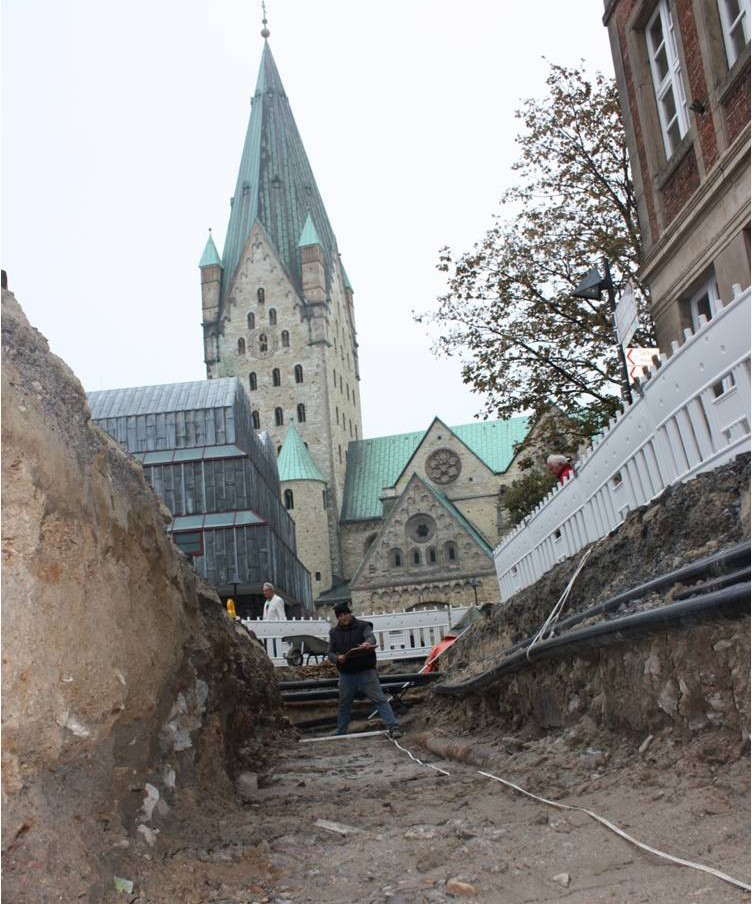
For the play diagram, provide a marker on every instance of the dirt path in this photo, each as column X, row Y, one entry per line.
column 357, row 820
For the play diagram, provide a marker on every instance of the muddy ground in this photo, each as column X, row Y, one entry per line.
column 359, row 820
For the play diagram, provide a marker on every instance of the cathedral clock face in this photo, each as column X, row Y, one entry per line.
column 443, row 466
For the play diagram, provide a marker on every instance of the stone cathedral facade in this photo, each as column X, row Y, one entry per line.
column 391, row 522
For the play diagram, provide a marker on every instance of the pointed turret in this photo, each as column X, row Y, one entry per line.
column 211, row 291
column 295, row 462
column 275, row 187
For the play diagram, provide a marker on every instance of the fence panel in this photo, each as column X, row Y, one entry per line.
column 692, row 415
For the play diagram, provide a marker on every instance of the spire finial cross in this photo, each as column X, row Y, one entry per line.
column 264, row 31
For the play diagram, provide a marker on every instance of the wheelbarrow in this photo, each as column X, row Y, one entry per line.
column 307, row 645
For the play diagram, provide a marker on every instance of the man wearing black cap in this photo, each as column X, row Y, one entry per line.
column 352, row 648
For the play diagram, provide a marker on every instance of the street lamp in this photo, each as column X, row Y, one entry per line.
column 590, row 288
column 475, row 583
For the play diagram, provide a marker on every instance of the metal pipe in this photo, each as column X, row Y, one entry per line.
column 729, row 603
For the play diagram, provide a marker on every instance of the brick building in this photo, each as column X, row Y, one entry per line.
column 683, row 71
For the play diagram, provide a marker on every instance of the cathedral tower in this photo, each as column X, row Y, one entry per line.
column 278, row 306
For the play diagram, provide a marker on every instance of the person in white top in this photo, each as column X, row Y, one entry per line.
column 274, row 608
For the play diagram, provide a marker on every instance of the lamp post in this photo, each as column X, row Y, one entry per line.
column 475, row 583
column 590, row 288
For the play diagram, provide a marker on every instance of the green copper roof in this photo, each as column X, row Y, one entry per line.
column 377, row 463
column 347, row 280
column 309, row 235
column 210, row 257
column 275, row 183
column 295, row 462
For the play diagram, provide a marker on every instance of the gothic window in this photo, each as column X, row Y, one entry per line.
column 260, row 295
column 241, row 346
column 432, row 556
column 416, row 557
column 272, row 317
column 256, row 420
column 289, row 501
column 263, row 341
column 276, row 380
column 450, row 551
column 298, row 373
column 301, row 413
column 395, row 558
column 285, row 339
column 252, row 382
column 279, row 417
column 251, row 321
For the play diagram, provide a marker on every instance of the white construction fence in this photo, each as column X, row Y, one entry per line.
column 399, row 635
column 691, row 414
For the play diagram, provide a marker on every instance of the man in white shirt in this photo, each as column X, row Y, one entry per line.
column 274, row 608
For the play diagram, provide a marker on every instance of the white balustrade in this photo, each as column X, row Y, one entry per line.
column 690, row 415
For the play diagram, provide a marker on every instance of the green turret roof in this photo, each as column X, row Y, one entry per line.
column 210, row 257
column 309, row 236
column 295, row 462
column 275, row 183
column 373, row 464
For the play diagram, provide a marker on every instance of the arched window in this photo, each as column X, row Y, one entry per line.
column 450, row 550
column 347, row 389
column 432, row 555
column 260, row 295
column 272, row 316
column 263, row 342
column 241, row 346
column 301, row 413
column 298, row 373
column 279, row 417
column 252, row 382
column 334, row 372
column 285, row 339
column 395, row 558
column 416, row 557
column 256, row 420
column 276, row 380
column 251, row 321
column 289, row 501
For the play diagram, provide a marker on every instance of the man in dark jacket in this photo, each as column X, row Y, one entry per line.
column 352, row 648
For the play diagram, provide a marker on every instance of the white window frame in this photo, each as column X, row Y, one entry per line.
column 669, row 84
column 730, row 23
column 709, row 290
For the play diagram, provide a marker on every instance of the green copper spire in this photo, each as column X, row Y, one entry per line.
column 295, row 462
column 275, row 183
column 210, row 257
column 309, row 236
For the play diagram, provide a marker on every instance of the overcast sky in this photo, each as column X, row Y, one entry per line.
column 123, row 125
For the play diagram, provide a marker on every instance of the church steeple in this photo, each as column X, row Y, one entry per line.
column 275, row 184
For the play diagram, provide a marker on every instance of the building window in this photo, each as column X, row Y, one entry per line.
column 251, row 321
column 706, row 302
column 735, row 27
column 276, row 379
column 260, row 295
column 301, row 413
column 339, row 452
column 272, row 317
column 450, row 550
column 252, row 382
column 336, row 414
column 289, row 501
column 323, row 496
column 241, row 346
column 285, row 339
column 665, row 66
column 318, row 575
column 255, row 418
column 263, row 342
column 416, row 557
column 279, row 417
column 334, row 372
column 395, row 558
column 298, row 373
column 432, row 556
column 190, row 542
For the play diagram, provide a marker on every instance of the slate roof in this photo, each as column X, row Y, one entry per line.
column 295, row 462
column 275, row 183
column 377, row 463
column 193, row 396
